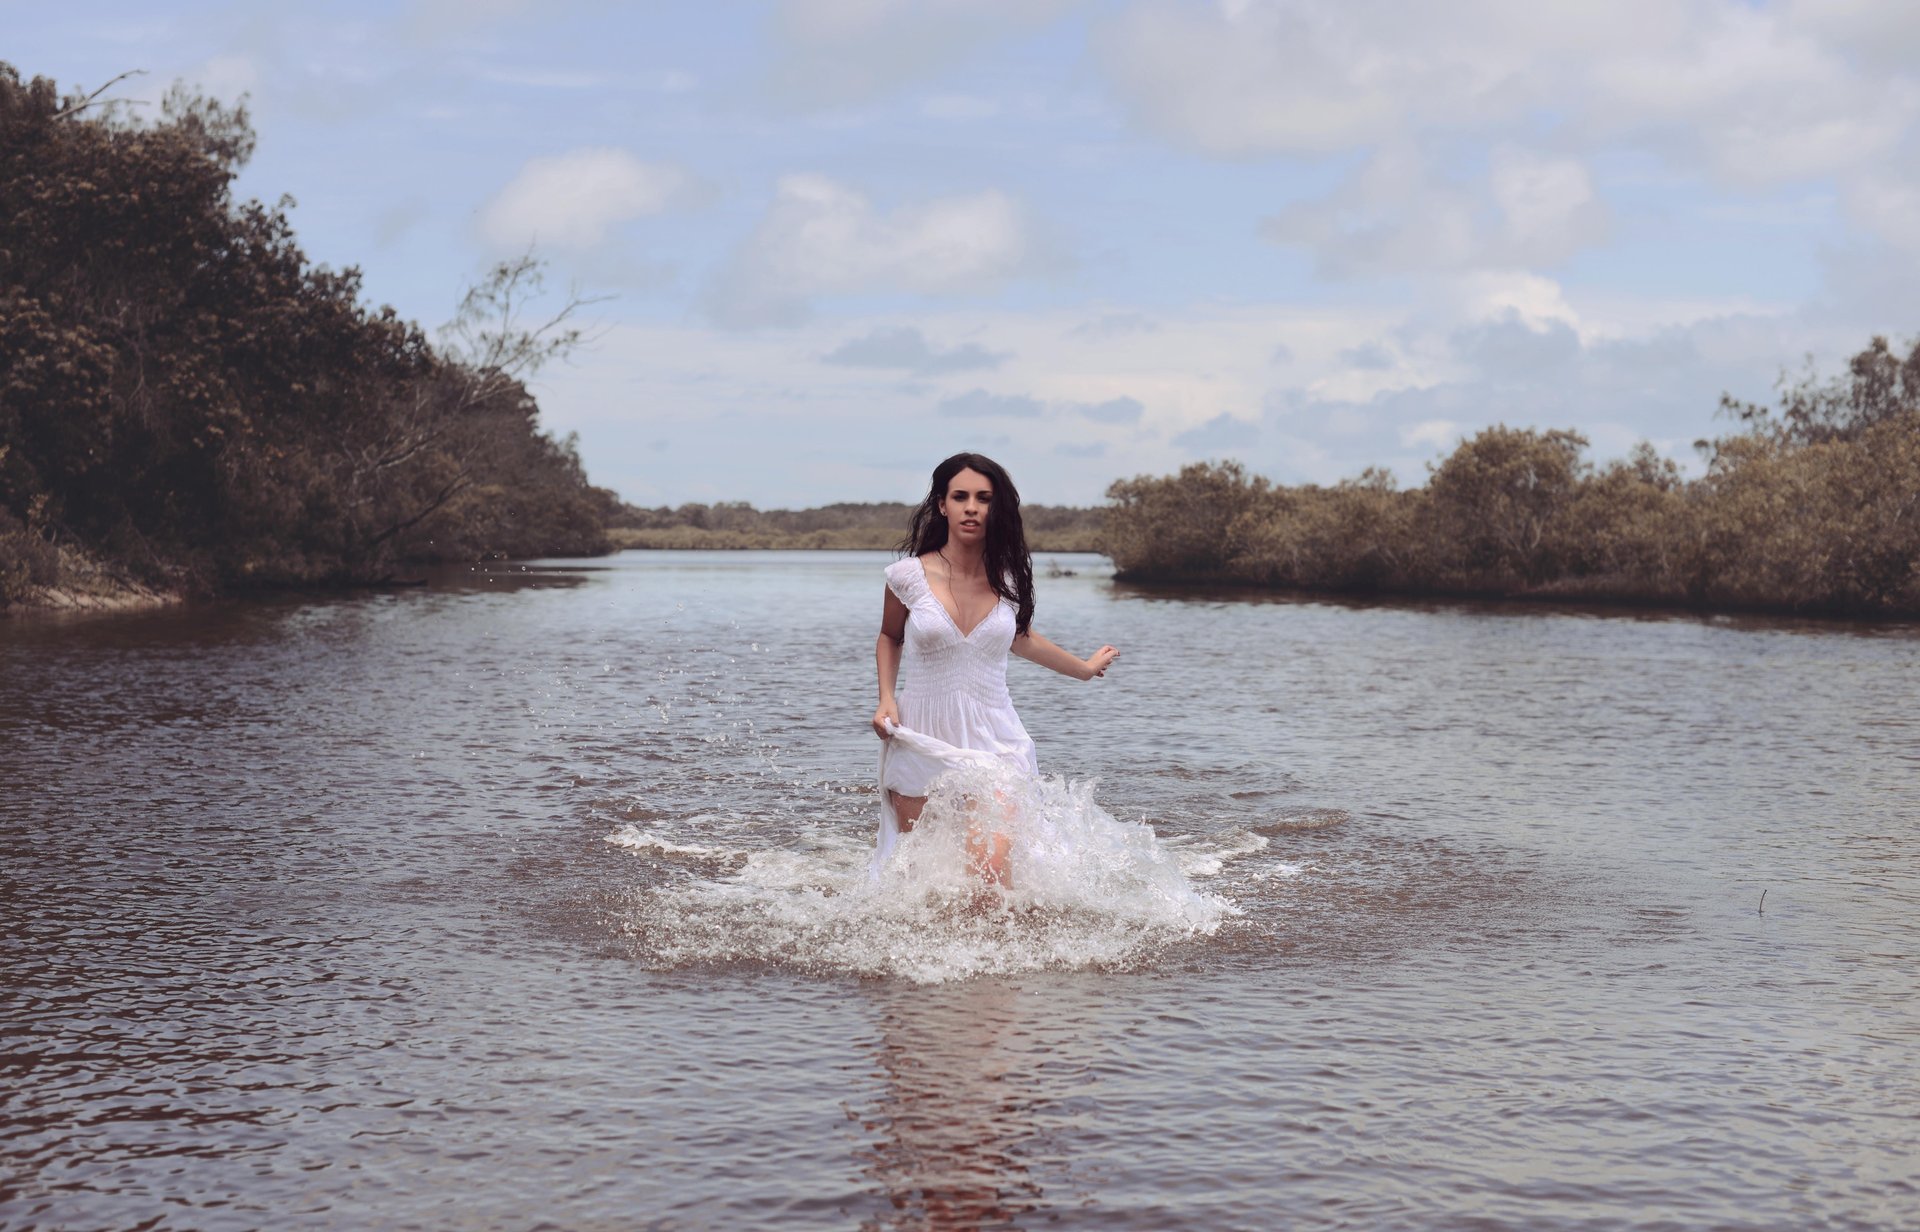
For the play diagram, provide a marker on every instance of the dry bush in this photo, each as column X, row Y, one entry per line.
column 1814, row 507
column 1362, row 534
column 1181, row 526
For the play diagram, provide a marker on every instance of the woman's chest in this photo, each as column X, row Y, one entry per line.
column 931, row 628
column 968, row 601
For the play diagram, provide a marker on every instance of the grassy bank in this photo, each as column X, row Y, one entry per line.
column 1810, row 506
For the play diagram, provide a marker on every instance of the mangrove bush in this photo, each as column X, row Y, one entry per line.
column 1810, row 505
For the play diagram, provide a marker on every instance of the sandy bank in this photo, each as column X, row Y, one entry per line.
column 83, row 584
column 126, row 597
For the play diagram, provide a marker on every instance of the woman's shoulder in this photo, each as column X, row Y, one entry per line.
column 906, row 566
column 905, row 577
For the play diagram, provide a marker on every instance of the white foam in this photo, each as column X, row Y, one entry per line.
column 1208, row 859
column 635, row 839
column 1086, row 891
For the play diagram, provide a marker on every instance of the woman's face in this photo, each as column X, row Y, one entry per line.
column 964, row 506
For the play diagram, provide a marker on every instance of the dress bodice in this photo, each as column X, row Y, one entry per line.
column 938, row 658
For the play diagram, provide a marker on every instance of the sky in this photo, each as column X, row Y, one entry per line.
column 828, row 242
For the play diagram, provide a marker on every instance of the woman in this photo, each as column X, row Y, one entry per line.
column 954, row 607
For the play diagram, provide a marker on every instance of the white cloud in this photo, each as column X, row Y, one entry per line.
column 976, row 403
column 834, row 52
column 1314, row 76
column 756, row 415
column 822, row 237
column 1875, row 32
column 1369, row 357
column 1752, row 98
column 1663, row 386
column 1536, row 301
column 1512, row 348
column 1398, row 213
column 907, row 349
column 1888, row 204
column 1436, row 434
column 1246, row 80
column 1735, row 94
column 1224, row 432
column 1113, row 411
column 1548, row 209
column 572, row 200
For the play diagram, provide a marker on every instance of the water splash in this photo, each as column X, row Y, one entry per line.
column 1086, row 891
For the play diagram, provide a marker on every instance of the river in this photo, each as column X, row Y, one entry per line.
column 525, row 899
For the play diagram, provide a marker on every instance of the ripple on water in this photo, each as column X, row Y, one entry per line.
column 543, row 904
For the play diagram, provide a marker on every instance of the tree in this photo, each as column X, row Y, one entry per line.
column 184, row 393
column 1880, row 386
column 1499, row 498
column 1182, row 524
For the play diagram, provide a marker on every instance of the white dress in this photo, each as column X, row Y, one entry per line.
column 955, row 690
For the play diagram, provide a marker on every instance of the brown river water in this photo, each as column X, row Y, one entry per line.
column 529, row 900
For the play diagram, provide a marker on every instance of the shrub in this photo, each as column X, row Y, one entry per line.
column 1812, row 507
column 1180, row 526
column 184, row 395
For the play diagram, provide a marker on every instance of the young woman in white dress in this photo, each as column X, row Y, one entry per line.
column 955, row 605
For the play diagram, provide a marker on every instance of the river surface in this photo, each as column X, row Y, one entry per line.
column 530, row 899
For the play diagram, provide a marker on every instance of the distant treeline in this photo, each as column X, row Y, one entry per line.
column 1810, row 506
column 188, row 403
column 736, row 524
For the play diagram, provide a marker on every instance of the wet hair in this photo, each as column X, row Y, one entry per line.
column 1009, row 564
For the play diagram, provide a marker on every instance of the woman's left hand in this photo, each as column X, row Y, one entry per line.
column 1100, row 661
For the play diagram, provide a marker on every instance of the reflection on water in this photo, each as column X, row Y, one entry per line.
column 954, row 1116
column 521, row 899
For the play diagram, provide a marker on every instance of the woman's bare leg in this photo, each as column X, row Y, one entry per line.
column 988, row 848
column 906, row 809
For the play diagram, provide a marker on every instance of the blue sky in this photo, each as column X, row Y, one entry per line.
column 840, row 239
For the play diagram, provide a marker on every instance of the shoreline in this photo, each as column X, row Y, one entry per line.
column 1552, row 594
column 104, row 595
column 69, row 599
column 81, row 583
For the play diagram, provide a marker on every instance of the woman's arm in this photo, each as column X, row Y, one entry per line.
column 1036, row 649
column 886, row 658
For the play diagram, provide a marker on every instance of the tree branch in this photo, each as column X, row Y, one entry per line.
column 93, row 98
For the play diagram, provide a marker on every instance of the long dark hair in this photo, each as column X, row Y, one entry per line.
column 1009, row 564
